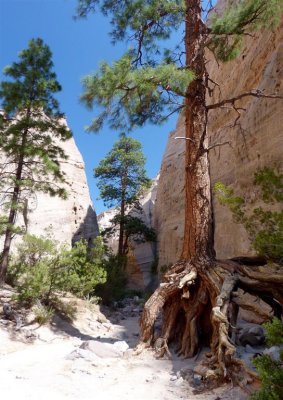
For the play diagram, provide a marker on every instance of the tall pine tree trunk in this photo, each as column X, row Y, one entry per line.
column 11, row 222
column 197, row 253
column 122, row 223
column 13, row 210
column 198, row 235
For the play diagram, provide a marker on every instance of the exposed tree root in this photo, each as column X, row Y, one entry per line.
column 199, row 302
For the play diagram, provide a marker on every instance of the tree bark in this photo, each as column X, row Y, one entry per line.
column 13, row 210
column 121, row 227
column 198, row 235
column 11, row 222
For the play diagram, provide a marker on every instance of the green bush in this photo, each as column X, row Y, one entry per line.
column 264, row 224
column 84, row 267
column 270, row 370
column 42, row 267
column 115, row 286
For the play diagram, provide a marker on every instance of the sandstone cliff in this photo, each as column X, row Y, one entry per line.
column 255, row 142
column 141, row 255
column 71, row 219
column 75, row 217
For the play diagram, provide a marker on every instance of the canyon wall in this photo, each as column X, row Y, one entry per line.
column 141, row 256
column 255, row 141
column 71, row 219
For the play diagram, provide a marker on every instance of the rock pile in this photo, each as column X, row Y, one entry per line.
column 126, row 308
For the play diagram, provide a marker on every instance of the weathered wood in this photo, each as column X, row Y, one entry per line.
column 212, row 288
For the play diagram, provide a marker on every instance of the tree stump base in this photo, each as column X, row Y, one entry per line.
column 199, row 305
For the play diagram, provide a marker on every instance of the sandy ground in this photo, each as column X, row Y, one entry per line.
column 79, row 361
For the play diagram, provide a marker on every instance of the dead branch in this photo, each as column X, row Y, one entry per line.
column 217, row 145
column 233, row 100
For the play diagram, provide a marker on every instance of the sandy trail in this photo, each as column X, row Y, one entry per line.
column 55, row 367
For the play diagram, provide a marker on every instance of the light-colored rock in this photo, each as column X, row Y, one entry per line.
column 273, row 352
column 86, row 355
column 257, row 142
column 145, row 253
column 121, row 346
column 170, row 200
column 104, row 221
column 71, row 219
column 102, row 319
column 100, row 349
column 260, row 311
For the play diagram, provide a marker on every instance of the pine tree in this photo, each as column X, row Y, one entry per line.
column 121, row 177
column 31, row 127
column 148, row 84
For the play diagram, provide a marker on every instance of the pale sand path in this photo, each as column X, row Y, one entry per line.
column 54, row 367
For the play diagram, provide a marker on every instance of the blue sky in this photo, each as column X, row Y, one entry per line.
column 77, row 47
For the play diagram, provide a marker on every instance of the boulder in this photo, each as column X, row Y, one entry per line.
column 253, row 336
column 257, row 314
column 105, row 350
column 121, row 346
column 100, row 349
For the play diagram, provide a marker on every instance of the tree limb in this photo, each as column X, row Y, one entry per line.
column 233, row 100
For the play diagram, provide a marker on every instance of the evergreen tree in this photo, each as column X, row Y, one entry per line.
column 31, row 127
column 121, row 177
column 149, row 83
column 135, row 230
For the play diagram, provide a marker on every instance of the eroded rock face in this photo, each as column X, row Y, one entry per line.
column 254, row 143
column 71, row 219
column 170, row 200
column 141, row 255
column 104, row 221
column 144, row 254
column 74, row 218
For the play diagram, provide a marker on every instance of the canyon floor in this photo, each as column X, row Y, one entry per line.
column 88, row 359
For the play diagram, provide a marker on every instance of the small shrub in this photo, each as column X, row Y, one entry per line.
column 43, row 314
column 274, row 332
column 83, row 267
column 270, row 370
column 115, row 286
column 41, row 268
